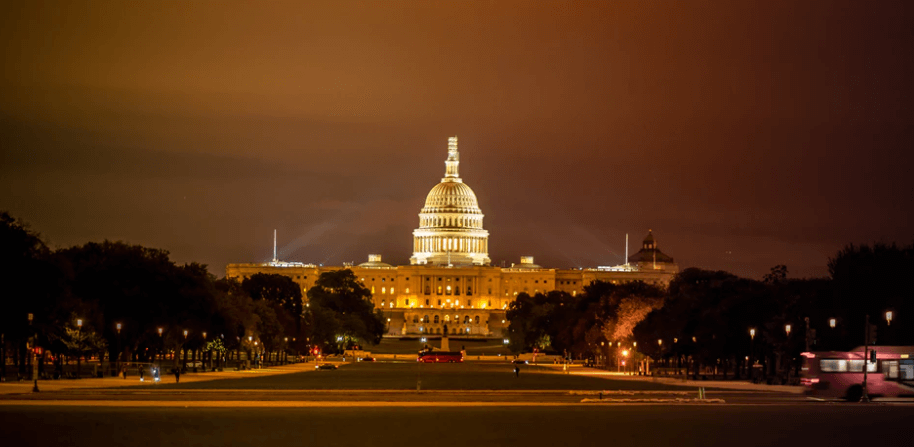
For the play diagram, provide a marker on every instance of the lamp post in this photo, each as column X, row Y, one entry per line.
column 660, row 348
column 203, row 360
column 34, row 356
column 79, row 345
column 751, row 349
column 117, row 348
column 184, row 348
column 162, row 351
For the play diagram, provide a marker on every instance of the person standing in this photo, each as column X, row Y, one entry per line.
column 177, row 375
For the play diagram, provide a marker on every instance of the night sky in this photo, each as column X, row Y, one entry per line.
column 745, row 134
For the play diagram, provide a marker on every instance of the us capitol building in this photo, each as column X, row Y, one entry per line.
column 450, row 279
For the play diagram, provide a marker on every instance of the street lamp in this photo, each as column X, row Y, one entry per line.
column 832, row 322
column 787, row 329
column 79, row 326
column 35, row 354
column 117, row 362
column 162, row 354
column 888, row 317
column 752, row 333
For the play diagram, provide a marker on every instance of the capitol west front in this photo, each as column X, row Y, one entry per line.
column 450, row 279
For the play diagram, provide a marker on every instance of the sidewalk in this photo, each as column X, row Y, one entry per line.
column 25, row 386
column 721, row 384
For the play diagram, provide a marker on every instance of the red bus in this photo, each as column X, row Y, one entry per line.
column 836, row 374
column 440, row 357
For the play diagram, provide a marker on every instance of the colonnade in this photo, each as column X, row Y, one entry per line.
column 458, row 244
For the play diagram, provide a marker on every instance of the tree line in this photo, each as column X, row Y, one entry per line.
column 713, row 320
column 130, row 303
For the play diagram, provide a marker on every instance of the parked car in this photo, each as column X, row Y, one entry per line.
column 325, row 366
column 520, row 362
column 367, row 359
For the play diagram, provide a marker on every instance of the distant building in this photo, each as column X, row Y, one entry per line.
column 450, row 279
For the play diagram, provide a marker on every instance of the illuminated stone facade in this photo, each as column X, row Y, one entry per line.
column 449, row 279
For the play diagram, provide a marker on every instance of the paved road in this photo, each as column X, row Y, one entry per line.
column 685, row 426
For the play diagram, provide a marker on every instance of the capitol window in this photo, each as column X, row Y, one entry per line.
column 406, row 302
column 469, row 291
column 477, row 319
column 436, row 318
column 415, row 318
column 425, row 319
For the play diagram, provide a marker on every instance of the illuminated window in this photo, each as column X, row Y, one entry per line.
column 439, row 290
column 383, row 289
column 391, row 304
column 448, row 290
column 372, row 289
column 391, row 290
column 383, row 303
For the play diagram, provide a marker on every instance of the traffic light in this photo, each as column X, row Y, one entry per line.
column 871, row 334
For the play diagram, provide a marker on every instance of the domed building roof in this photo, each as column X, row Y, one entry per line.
column 451, row 196
column 374, row 261
column 450, row 224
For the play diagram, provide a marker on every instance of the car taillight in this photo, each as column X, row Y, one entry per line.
column 809, row 381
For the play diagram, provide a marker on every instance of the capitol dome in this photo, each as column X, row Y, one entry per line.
column 450, row 224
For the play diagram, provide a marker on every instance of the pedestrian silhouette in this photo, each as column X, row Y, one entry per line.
column 516, row 371
column 177, row 375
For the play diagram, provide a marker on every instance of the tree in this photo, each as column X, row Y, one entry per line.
column 278, row 289
column 34, row 283
column 341, row 311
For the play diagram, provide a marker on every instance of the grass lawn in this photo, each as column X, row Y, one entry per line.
column 403, row 376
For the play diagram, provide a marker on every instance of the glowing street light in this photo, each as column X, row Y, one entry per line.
column 659, row 342
column 625, row 353
column 832, row 322
column 160, row 332
column 79, row 323
column 888, row 317
column 752, row 333
column 787, row 329
column 118, row 328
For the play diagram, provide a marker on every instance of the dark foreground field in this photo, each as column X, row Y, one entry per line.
column 680, row 426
